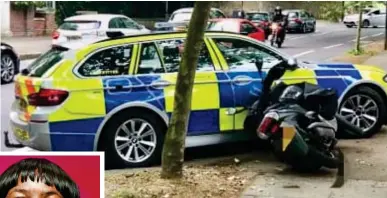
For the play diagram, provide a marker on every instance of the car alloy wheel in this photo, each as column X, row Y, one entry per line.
column 360, row 110
column 7, row 68
column 135, row 140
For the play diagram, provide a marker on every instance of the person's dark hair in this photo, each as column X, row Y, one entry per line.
column 42, row 170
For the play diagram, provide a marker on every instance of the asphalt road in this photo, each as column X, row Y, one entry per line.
column 328, row 41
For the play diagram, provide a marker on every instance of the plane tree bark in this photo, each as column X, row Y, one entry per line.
column 174, row 143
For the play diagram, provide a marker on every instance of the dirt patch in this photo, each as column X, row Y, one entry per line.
column 370, row 50
column 217, row 177
column 198, row 181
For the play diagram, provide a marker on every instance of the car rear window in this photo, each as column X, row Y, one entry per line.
column 293, row 15
column 42, row 64
column 80, row 25
column 181, row 16
column 257, row 16
column 228, row 26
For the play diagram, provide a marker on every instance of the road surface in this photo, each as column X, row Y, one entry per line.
column 328, row 41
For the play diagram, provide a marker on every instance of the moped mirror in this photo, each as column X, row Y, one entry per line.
column 292, row 63
column 259, row 63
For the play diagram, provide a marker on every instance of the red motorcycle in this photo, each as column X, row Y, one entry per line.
column 275, row 36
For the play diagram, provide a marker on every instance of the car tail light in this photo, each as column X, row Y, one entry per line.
column 297, row 21
column 268, row 125
column 47, row 97
column 55, row 35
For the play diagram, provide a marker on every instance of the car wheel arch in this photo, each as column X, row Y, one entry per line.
column 10, row 53
column 138, row 106
column 366, row 83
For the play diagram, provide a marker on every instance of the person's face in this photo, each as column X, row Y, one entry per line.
column 33, row 189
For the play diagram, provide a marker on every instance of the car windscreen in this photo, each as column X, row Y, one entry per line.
column 80, row 25
column 181, row 16
column 257, row 16
column 228, row 26
column 42, row 64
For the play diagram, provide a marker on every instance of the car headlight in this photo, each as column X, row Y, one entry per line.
column 385, row 78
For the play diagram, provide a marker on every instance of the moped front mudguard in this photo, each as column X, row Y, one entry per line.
column 291, row 143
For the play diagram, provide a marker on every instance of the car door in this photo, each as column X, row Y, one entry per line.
column 110, row 64
column 237, row 57
column 247, row 28
column 305, row 18
column 378, row 19
column 157, row 69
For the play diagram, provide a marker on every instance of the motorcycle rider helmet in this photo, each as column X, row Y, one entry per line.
column 291, row 93
column 278, row 10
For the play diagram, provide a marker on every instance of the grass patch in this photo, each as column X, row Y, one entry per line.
column 359, row 57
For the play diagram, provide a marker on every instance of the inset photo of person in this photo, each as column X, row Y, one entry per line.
column 51, row 175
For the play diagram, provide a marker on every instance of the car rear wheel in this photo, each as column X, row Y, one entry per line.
column 349, row 26
column 133, row 140
column 7, row 69
column 364, row 107
column 366, row 23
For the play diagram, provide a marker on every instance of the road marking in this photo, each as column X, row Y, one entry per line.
column 375, row 35
column 322, row 33
column 332, row 46
column 303, row 53
column 297, row 37
column 361, row 38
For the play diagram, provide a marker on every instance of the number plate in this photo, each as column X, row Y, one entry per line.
column 21, row 134
column 72, row 38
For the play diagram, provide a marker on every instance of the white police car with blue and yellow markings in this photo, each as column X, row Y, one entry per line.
column 116, row 95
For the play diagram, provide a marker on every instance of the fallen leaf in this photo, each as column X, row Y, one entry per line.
column 236, row 160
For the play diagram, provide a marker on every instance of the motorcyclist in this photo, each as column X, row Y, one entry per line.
column 281, row 19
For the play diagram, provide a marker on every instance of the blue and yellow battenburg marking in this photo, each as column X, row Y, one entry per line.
column 213, row 94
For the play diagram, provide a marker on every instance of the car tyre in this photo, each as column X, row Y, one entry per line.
column 349, row 26
column 113, row 130
column 303, row 28
column 7, row 68
column 366, row 23
column 376, row 102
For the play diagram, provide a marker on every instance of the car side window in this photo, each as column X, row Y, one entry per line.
column 114, row 23
column 112, row 61
column 240, row 55
column 219, row 14
column 376, row 12
column 128, row 24
column 149, row 60
column 172, row 51
column 248, row 28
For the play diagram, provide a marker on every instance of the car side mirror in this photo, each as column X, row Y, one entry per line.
column 259, row 63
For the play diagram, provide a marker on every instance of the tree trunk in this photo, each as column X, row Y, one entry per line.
column 342, row 10
column 360, row 24
column 174, row 143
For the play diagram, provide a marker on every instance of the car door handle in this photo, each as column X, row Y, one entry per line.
column 242, row 80
column 159, row 84
column 118, row 87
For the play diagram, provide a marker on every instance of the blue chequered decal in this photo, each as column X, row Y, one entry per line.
column 138, row 90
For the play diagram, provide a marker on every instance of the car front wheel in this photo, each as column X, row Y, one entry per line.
column 7, row 69
column 133, row 140
column 364, row 108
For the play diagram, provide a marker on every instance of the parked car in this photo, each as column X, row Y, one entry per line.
column 240, row 26
column 261, row 19
column 10, row 63
column 119, row 97
column 180, row 18
column 300, row 21
column 371, row 18
column 92, row 26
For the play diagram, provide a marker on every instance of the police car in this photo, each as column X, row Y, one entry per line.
column 116, row 95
